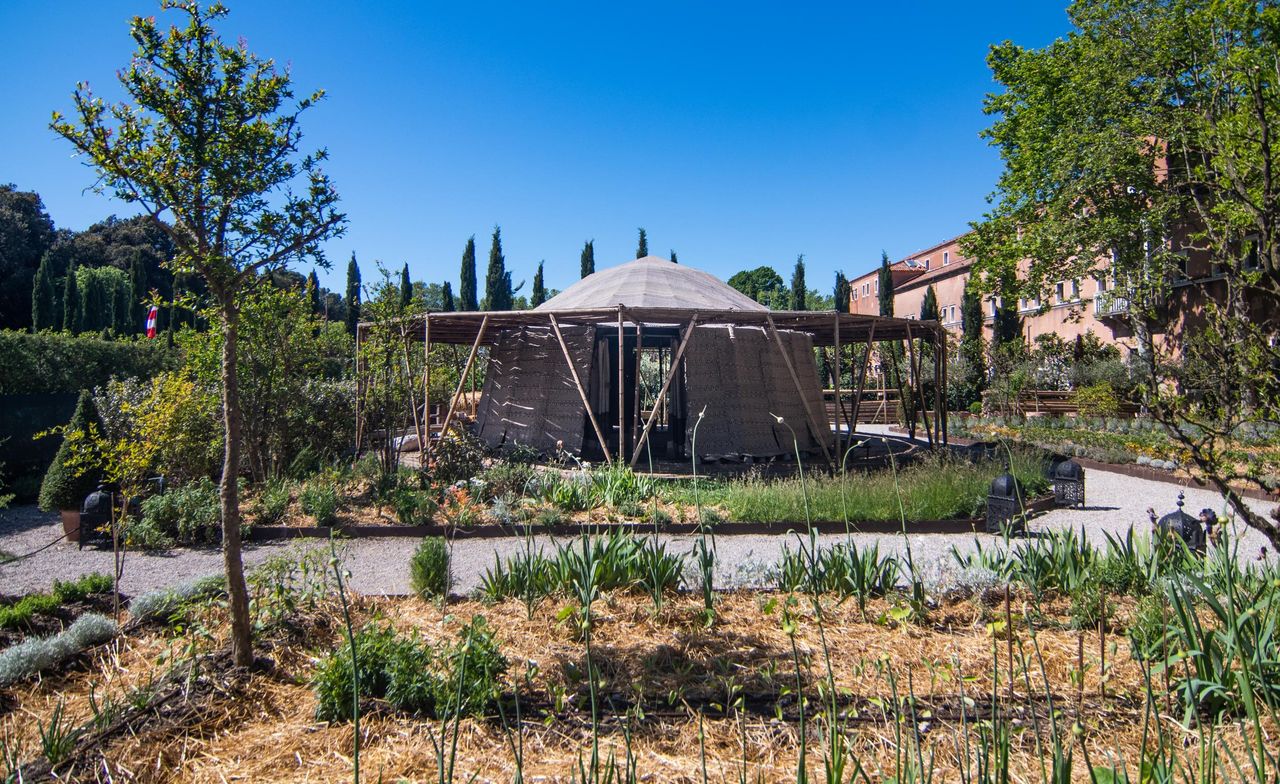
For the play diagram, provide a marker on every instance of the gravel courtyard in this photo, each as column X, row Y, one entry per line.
column 380, row 566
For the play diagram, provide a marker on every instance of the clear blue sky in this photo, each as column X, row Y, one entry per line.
column 738, row 134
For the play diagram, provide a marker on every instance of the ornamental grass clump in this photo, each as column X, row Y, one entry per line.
column 161, row 605
column 321, row 500
column 429, row 568
column 35, row 655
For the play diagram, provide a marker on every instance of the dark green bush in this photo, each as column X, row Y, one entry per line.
column 457, row 456
column 413, row 506
column 438, row 681
column 58, row 362
column 505, row 477
column 321, row 500
column 65, row 486
column 190, row 514
column 429, row 568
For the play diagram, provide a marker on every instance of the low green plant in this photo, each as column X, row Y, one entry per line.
column 38, row 654
column 321, row 500
column 456, row 457
column 429, row 568
column 165, row 604
column 507, row 478
column 273, row 502
column 189, row 514
column 413, row 506
column 57, row 737
column 19, row 614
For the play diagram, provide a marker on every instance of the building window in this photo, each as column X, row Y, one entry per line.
column 953, row 313
column 1060, row 292
column 946, row 257
column 877, row 287
column 1075, row 290
column 1251, row 252
column 995, row 307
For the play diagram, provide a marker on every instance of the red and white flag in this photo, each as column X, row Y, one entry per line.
column 152, row 315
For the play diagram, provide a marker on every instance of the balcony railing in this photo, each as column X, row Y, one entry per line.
column 1110, row 304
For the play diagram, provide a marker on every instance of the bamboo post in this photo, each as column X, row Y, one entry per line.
column 939, row 352
column 622, row 397
column 635, row 409
column 795, row 379
column 666, row 384
column 462, row 379
column 862, row 380
column 582, row 392
column 839, row 402
column 946, row 439
column 359, row 389
column 424, row 449
column 917, row 390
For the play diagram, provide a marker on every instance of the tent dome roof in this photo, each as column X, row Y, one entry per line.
column 651, row 282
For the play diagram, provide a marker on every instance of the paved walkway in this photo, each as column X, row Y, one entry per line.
column 380, row 566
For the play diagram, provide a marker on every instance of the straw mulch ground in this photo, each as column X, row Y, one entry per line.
column 723, row 696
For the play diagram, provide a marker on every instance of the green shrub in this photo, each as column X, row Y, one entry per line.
column 439, row 681
column 190, row 514
column 19, row 613
column 457, row 456
column 413, row 506
column 1097, row 400
column 65, row 485
column 975, row 408
column 320, row 499
column 506, row 477
column 51, row 362
column 429, row 568
column 273, row 502
column 1147, row 628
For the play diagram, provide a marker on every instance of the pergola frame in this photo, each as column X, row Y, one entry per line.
column 478, row 329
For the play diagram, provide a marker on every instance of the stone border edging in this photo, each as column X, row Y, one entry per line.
column 731, row 528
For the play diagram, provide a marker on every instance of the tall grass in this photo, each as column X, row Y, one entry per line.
column 931, row 489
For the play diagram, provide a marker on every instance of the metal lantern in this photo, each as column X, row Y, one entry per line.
column 95, row 512
column 1183, row 526
column 1068, row 484
column 1004, row 504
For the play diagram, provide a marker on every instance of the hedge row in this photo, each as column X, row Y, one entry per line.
column 59, row 362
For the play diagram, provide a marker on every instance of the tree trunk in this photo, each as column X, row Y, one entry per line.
column 229, row 492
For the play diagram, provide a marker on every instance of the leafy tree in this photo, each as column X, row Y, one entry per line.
column 642, row 248
column 841, row 293
column 353, row 295
column 467, row 282
column 674, row 260
column 44, row 313
column 886, row 286
column 539, row 293
column 139, row 294
column 1146, row 132
column 26, row 232
column 446, row 297
column 122, row 308
column 762, row 284
column 65, row 484
column 406, row 288
column 96, row 314
column 587, row 264
column 497, row 281
column 971, row 317
column 211, row 140
column 72, row 314
column 929, row 306
column 798, row 289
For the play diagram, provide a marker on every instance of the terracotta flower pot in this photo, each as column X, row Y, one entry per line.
column 71, row 524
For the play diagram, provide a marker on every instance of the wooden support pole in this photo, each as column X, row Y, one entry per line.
column 917, row 391
column 666, row 384
column 622, row 397
column 946, row 439
column 795, row 379
column 359, row 390
column 424, row 449
column 839, row 402
column 635, row 408
column 582, row 392
column 939, row 354
column 862, row 380
column 462, row 379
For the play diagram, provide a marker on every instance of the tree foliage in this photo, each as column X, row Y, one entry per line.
column 798, row 289
column 539, row 293
column 762, row 284
column 353, row 295
column 929, row 305
column 642, row 246
column 208, row 145
column 66, row 484
column 467, row 299
column 885, row 286
column 497, row 281
column 26, row 232
column 587, row 263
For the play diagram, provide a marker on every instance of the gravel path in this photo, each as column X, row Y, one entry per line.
column 380, row 566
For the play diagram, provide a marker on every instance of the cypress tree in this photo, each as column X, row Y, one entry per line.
column 313, row 293
column 138, row 280
column 886, row 286
column 353, row 294
column 674, row 260
column 406, row 288
column 72, row 315
column 467, row 280
column 971, row 314
column 588, row 262
column 841, row 293
column 929, row 307
column 497, row 281
column 446, row 297
column 642, row 249
column 797, row 284
column 122, row 308
column 44, row 313
column 972, row 344
column 539, row 293
column 96, row 307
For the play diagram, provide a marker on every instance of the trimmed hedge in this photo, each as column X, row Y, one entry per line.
column 62, row 487
column 60, row 362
